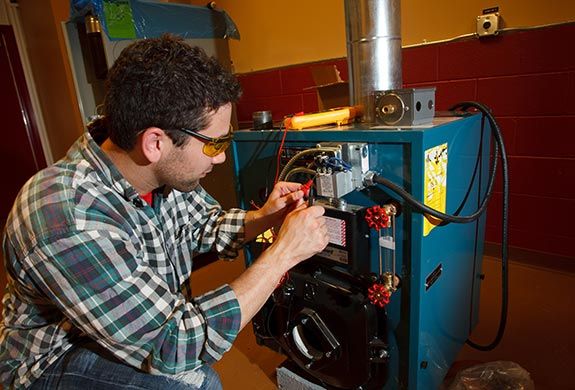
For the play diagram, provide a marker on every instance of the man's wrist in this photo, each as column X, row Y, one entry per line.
column 280, row 256
column 254, row 215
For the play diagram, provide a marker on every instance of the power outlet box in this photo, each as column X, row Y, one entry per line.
column 488, row 24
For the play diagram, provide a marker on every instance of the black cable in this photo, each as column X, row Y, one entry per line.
column 504, row 229
column 417, row 205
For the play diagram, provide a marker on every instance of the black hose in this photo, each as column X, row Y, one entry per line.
column 420, row 206
column 504, row 228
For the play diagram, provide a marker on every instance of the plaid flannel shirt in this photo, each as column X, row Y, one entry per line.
column 87, row 257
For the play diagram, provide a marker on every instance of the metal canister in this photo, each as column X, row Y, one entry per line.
column 262, row 120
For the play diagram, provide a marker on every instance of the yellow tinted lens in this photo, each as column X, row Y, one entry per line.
column 214, row 148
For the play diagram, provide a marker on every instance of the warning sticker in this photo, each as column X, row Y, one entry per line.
column 435, row 190
column 336, row 231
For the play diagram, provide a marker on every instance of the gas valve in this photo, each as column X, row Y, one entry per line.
column 378, row 294
column 377, row 217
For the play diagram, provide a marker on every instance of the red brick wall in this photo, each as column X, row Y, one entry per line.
column 528, row 80
column 282, row 90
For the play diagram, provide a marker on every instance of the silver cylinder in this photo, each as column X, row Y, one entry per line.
column 262, row 120
column 373, row 29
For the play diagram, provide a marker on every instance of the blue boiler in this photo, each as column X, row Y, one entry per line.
column 411, row 342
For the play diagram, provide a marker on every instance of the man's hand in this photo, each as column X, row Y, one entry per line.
column 303, row 234
column 285, row 197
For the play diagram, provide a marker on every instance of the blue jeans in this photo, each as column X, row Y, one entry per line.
column 88, row 367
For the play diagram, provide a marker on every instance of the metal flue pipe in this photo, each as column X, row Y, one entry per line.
column 373, row 29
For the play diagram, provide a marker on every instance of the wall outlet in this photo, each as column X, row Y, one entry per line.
column 488, row 24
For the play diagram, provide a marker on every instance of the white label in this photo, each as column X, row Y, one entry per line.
column 336, row 231
column 326, row 185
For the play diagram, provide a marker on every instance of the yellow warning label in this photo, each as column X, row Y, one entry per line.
column 435, row 190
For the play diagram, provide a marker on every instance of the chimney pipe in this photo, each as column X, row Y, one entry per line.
column 373, row 29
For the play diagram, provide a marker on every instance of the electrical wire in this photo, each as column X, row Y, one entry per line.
column 504, row 227
column 301, row 154
column 279, row 156
column 303, row 170
column 338, row 163
column 474, row 35
column 417, row 205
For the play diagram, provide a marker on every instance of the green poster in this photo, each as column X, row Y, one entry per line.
column 119, row 19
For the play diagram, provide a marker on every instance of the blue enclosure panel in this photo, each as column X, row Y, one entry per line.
column 427, row 327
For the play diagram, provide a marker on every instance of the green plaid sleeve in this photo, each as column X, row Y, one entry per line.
column 102, row 282
column 212, row 229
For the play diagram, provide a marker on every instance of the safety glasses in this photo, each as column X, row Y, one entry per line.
column 212, row 146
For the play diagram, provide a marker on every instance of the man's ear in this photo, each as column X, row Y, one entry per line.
column 153, row 143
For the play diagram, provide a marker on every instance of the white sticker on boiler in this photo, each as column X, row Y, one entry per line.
column 336, row 231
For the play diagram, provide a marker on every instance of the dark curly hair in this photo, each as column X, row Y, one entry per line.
column 166, row 83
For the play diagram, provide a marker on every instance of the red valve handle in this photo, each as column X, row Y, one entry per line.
column 378, row 295
column 377, row 218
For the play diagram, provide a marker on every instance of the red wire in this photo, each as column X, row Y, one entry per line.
column 285, row 277
column 306, row 188
column 280, row 156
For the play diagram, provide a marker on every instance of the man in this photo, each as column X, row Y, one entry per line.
column 99, row 247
